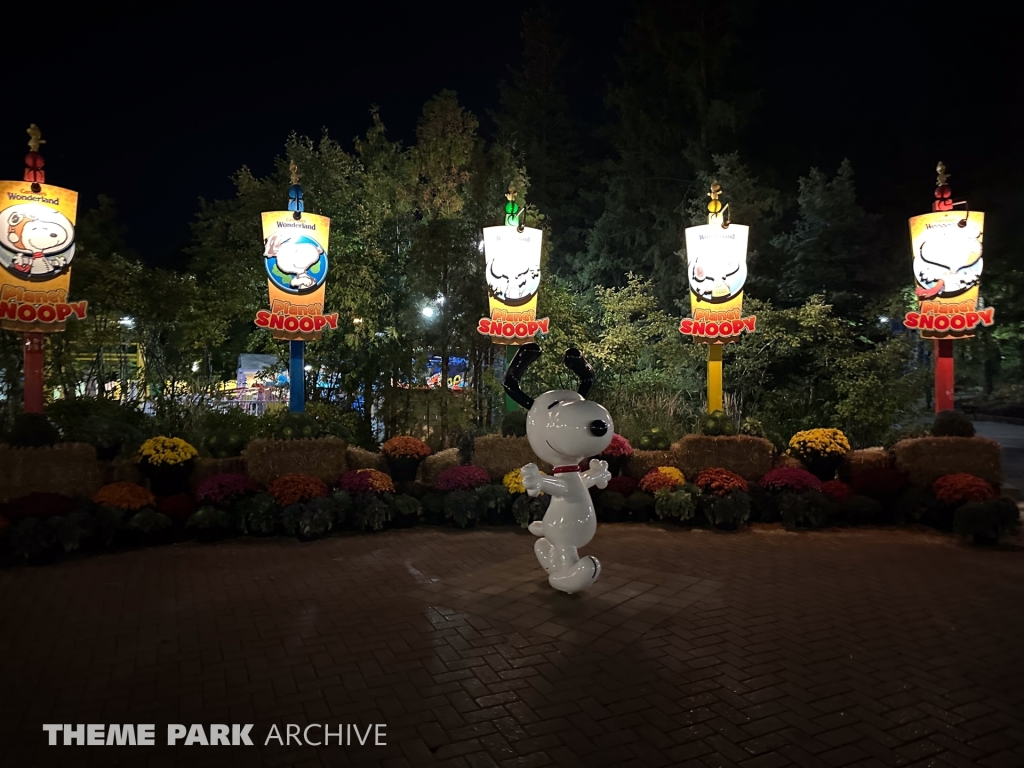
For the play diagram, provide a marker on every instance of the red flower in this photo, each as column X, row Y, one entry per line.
column 291, row 489
column 462, row 478
column 880, row 481
column 619, row 446
column 225, row 487
column 720, row 481
column 366, row 481
column 790, row 479
column 623, row 484
column 177, row 507
column 961, row 488
column 837, row 489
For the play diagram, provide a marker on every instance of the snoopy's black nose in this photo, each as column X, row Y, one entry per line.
column 598, row 428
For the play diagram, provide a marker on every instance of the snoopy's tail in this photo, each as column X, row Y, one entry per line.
column 537, row 527
column 578, row 577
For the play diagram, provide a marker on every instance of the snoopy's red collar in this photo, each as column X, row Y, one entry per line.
column 569, row 468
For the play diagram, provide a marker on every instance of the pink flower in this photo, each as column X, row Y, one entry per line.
column 619, row 446
column 225, row 487
column 790, row 479
column 462, row 478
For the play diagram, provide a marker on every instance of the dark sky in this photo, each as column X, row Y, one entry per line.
column 158, row 107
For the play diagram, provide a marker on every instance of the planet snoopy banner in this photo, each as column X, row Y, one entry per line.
column 512, row 264
column 295, row 254
column 716, row 272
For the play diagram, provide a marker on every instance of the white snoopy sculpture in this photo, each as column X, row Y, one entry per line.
column 564, row 428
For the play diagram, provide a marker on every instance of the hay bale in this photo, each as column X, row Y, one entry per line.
column 267, row 460
column 858, row 462
column 642, row 462
column 926, row 459
column 67, row 468
column 203, row 468
column 785, row 460
column 359, row 458
column 500, row 455
column 434, row 465
column 122, row 471
column 749, row 457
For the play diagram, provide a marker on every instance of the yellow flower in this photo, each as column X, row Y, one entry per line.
column 818, row 443
column 165, row 450
column 513, row 481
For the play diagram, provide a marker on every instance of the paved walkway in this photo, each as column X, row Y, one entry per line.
column 759, row 649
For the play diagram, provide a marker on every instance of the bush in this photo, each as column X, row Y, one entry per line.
column 961, row 488
column 408, row 506
column 680, row 505
column 369, row 511
column 763, row 506
column 952, row 424
column 462, row 507
column 289, row 425
column 752, row 427
column 69, row 532
column 494, row 500
column 609, row 505
column 333, row 421
column 719, row 482
column 258, row 514
column 293, row 489
column 107, row 425
column 309, row 520
column 654, row 439
column 661, row 477
column 210, row 520
column 860, row 510
column 32, row 430
column 149, row 522
column 362, row 481
column 717, row 424
column 790, row 479
column 462, row 478
column 527, row 509
column 226, row 488
column 225, row 433
column 640, row 504
column 729, row 510
column 803, row 510
column 31, row 539
column 987, row 521
column 513, row 423
column 124, row 495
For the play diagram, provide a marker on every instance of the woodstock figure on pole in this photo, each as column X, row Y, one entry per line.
column 564, row 428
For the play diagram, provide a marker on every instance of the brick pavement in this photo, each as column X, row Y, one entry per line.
column 757, row 649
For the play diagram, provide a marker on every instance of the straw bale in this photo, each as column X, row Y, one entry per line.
column 434, row 465
column 121, row 471
column 642, row 462
column 499, row 455
column 749, row 457
column 926, row 459
column 785, row 460
column 267, row 460
column 67, row 468
column 359, row 458
column 858, row 462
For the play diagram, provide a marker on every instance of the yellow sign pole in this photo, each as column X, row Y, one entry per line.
column 714, row 377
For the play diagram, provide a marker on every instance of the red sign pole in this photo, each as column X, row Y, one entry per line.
column 33, row 373
column 943, row 375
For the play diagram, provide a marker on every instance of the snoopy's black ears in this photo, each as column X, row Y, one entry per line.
column 524, row 358
column 578, row 364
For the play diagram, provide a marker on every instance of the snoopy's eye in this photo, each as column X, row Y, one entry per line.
column 554, row 404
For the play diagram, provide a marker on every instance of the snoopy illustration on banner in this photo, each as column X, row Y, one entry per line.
column 295, row 257
column 40, row 239
column 564, row 428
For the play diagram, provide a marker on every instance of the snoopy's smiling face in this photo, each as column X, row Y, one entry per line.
column 43, row 236
column 564, row 428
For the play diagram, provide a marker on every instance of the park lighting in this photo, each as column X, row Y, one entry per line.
column 308, row 368
column 428, row 311
column 127, row 322
column 716, row 255
column 946, row 249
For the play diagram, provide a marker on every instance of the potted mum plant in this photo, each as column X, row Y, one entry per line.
column 822, row 450
column 404, row 455
column 166, row 462
column 617, row 454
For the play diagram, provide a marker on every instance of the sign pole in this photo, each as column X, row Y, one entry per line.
column 943, row 375
column 297, row 377
column 714, row 377
column 510, row 352
column 33, row 393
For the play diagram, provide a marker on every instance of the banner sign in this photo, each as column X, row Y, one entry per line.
column 295, row 255
column 947, row 274
column 513, row 279
column 717, row 271
column 37, row 245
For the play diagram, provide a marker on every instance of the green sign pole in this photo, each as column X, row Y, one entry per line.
column 510, row 352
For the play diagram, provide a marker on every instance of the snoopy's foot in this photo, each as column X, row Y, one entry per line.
column 545, row 552
column 300, row 282
column 578, row 577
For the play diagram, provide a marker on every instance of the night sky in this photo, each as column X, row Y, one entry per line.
column 158, row 107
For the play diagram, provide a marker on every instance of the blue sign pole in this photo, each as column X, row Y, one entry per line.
column 297, row 377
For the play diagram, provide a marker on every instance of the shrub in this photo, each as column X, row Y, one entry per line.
column 462, row 478
column 366, row 481
column 369, row 511
column 752, row 428
column 210, row 519
column 860, row 510
column 803, row 510
column 107, row 522
column 815, row 444
column 790, row 479
column 225, row 433
column 836, row 490
column 160, row 451
column 149, row 521
column 880, row 482
column 309, row 520
column 717, row 424
column 619, row 446
column 124, row 495
column 105, row 424
column 763, row 505
column 987, row 521
column 961, row 488
column 952, row 424
column 334, row 421
column 730, row 509
column 661, row 477
column 513, row 423
column 406, row 505
column 292, row 489
column 623, row 484
column 405, row 447
column 225, row 488
column 680, row 504
column 719, row 482
column 493, row 498
column 31, row 539
column 32, row 430
column 69, row 532
column 289, row 425
column 609, row 503
column 258, row 514
column 654, row 439
column 180, row 506
column 527, row 509
column 41, row 505
column 640, row 504
column 462, row 507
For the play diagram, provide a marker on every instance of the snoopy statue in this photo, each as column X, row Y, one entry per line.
column 564, row 428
